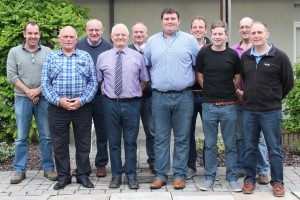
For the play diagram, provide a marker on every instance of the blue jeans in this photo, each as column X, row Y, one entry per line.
column 212, row 115
column 262, row 163
column 24, row 110
column 147, row 121
column 270, row 124
column 98, row 118
column 122, row 119
column 172, row 111
column 193, row 152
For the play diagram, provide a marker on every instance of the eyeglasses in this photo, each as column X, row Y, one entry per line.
column 32, row 58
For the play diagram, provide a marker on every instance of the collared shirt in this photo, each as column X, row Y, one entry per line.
column 26, row 66
column 171, row 61
column 134, row 72
column 237, row 47
column 258, row 57
column 70, row 77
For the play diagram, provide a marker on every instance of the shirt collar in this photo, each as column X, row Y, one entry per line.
column 24, row 48
column 125, row 50
column 74, row 52
column 91, row 44
column 252, row 52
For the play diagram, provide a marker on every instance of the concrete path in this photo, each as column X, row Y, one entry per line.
column 36, row 187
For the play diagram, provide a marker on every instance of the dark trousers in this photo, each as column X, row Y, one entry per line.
column 59, row 124
column 122, row 119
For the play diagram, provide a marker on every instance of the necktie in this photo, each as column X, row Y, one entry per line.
column 118, row 74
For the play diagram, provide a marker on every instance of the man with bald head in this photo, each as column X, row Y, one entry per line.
column 262, row 163
column 268, row 77
column 123, row 75
column 69, row 83
column 94, row 44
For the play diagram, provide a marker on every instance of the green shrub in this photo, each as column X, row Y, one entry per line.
column 292, row 104
column 6, row 151
column 220, row 144
column 51, row 16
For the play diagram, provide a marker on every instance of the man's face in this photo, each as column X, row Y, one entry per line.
column 198, row 29
column 94, row 31
column 244, row 29
column 120, row 37
column 32, row 35
column 68, row 39
column 259, row 35
column 170, row 23
column 139, row 34
column 218, row 36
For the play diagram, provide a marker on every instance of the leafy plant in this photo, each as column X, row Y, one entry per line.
column 51, row 15
column 296, row 146
column 6, row 151
column 220, row 144
column 292, row 104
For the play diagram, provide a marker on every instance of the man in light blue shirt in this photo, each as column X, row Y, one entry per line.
column 171, row 54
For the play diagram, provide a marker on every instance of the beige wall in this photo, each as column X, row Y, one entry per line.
column 277, row 14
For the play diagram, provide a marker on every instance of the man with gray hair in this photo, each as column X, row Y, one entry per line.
column 69, row 83
column 122, row 75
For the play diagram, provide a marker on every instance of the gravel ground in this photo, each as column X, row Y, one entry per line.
column 34, row 160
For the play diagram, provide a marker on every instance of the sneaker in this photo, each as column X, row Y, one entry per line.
column 240, row 174
column 51, row 175
column 263, row 179
column 206, row 185
column 278, row 189
column 234, row 187
column 17, row 177
column 190, row 174
column 248, row 188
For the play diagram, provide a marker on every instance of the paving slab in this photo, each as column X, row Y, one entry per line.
column 203, row 195
column 263, row 195
column 81, row 197
column 142, row 196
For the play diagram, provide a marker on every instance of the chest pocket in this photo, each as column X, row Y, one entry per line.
column 55, row 70
column 83, row 69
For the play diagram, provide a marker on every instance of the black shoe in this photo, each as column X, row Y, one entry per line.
column 133, row 183
column 85, row 182
column 115, row 182
column 61, row 184
column 152, row 168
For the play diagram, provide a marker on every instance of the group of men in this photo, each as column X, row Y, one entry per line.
column 167, row 82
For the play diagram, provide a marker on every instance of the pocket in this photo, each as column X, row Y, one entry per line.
column 55, row 70
column 83, row 69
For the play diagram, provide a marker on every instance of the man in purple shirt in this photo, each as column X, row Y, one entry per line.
column 122, row 82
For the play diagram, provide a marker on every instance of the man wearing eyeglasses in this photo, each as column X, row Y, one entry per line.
column 24, row 68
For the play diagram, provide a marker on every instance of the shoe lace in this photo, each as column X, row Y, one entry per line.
column 18, row 174
column 248, row 184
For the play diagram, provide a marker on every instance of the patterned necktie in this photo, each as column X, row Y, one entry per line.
column 118, row 74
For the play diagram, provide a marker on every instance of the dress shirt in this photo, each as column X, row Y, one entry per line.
column 70, row 77
column 134, row 71
column 171, row 61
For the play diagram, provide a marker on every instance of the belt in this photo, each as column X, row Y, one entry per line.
column 173, row 91
column 223, row 103
column 198, row 93
column 123, row 99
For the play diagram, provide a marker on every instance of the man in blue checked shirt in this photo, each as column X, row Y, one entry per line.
column 69, row 84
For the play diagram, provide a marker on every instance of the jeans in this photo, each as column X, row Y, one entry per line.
column 262, row 163
column 147, row 121
column 24, row 110
column 193, row 152
column 270, row 124
column 212, row 115
column 172, row 111
column 122, row 119
column 98, row 118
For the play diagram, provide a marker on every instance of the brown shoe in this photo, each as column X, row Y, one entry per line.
column 74, row 172
column 248, row 188
column 179, row 184
column 157, row 183
column 101, row 171
column 278, row 189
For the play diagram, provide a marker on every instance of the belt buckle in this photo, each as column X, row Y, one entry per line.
column 219, row 103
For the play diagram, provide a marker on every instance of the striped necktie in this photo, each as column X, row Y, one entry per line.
column 118, row 74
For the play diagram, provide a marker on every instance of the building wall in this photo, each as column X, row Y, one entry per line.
column 277, row 14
